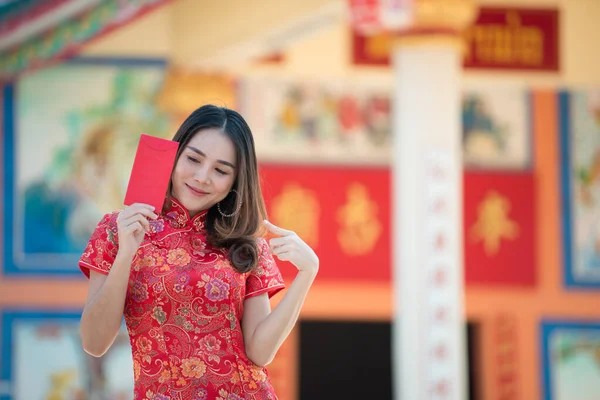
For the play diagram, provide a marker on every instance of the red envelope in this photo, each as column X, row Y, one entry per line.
column 151, row 172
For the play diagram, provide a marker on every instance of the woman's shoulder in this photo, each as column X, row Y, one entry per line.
column 106, row 220
column 109, row 219
column 260, row 240
column 111, row 215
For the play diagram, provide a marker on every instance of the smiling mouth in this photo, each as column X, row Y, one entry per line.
column 196, row 191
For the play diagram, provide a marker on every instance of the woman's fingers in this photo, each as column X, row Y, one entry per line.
column 142, row 209
column 134, row 227
column 284, row 248
column 137, row 218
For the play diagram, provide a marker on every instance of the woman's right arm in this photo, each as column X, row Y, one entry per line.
column 103, row 311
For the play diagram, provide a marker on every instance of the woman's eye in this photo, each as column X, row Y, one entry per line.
column 220, row 171
column 194, row 160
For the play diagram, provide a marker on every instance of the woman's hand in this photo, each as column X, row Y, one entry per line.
column 288, row 246
column 132, row 224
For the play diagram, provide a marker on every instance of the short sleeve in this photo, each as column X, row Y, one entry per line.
column 265, row 277
column 101, row 250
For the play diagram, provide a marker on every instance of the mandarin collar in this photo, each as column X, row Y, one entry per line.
column 179, row 217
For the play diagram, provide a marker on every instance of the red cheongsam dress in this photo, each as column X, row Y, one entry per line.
column 183, row 310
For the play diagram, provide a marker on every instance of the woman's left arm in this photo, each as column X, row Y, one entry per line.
column 265, row 330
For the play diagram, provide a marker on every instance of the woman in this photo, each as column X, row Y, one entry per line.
column 194, row 280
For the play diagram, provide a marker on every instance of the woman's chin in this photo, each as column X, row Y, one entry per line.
column 194, row 207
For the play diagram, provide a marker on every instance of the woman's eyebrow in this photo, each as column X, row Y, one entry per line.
column 197, row 151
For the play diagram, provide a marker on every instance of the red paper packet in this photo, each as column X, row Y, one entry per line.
column 151, row 172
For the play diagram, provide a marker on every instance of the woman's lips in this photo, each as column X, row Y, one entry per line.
column 196, row 192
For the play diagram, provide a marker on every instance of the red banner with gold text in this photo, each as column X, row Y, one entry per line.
column 344, row 213
column 499, row 230
column 500, row 38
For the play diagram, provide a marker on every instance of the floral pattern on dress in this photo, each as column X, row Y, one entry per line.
column 183, row 310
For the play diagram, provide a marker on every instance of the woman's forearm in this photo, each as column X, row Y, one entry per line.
column 275, row 328
column 102, row 316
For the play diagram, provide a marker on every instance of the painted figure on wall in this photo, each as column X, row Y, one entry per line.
column 584, row 172
column 73, row 153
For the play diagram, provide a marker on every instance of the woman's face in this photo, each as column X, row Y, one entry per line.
column 205, row 171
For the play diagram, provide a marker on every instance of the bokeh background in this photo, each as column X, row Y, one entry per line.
column 83, row 79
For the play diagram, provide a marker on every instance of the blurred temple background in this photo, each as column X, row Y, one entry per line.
column 371, row 118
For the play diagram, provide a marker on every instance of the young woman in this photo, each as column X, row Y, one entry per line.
column 193, row 280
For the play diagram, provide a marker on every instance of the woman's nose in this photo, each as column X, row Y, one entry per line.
column 202, row 175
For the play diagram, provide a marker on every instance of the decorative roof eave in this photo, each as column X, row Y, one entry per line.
column 25, row 23
column 60, row 32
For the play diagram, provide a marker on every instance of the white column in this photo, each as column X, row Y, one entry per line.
column 429, row 356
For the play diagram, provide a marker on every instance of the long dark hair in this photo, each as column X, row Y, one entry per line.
column 237, row 233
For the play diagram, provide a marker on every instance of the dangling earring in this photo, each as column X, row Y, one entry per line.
column 237, row 209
